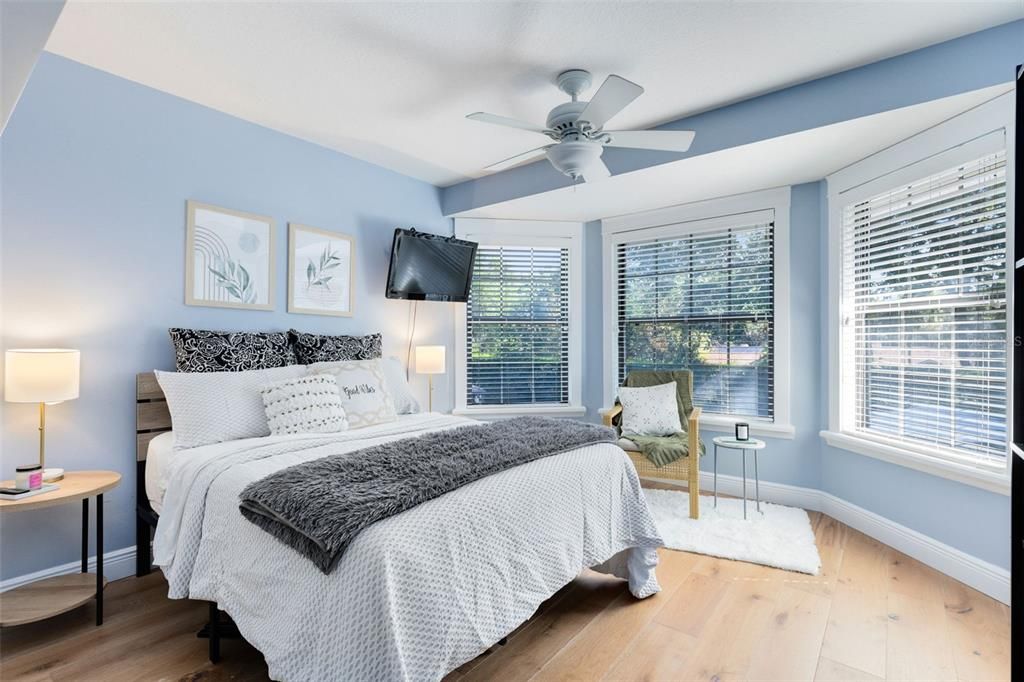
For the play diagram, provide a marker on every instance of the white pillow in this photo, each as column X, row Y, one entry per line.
column 212, row 407
column 398, row 386
column 363, row 389
column 651, row 411
column 309, row 404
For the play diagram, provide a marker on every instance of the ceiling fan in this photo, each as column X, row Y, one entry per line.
column 577, row 128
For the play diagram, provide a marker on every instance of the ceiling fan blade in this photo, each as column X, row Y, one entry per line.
column 596, row 170
column 612, row 97
column 663, row 140
column 484, row 117
column 518, row 158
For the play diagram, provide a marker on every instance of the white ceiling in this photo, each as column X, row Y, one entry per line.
column 789, row 160
column 391, row 82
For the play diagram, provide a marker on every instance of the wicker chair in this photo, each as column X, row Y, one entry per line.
column 685, row 469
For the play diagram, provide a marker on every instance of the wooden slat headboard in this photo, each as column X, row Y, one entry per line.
column 151, row 415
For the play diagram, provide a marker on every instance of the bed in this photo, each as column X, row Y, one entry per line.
column 415, row 595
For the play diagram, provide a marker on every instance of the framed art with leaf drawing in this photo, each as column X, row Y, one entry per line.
column 320, row 271
column 229, row 258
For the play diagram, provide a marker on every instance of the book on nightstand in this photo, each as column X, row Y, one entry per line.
column 21, row 493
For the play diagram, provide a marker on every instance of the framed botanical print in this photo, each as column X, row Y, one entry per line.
column 229, row 258
column 321, row 271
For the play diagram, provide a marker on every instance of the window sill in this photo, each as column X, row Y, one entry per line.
column 500, row 412
column 718, row 422
column 991, row 480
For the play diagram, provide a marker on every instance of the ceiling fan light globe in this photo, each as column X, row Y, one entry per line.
column 572, row 158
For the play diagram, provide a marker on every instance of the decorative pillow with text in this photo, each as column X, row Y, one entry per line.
column 363, row 389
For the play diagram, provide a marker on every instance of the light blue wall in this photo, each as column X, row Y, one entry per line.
column 593, row 321
column 795, row 461
column 972, row 520
column 95, row 174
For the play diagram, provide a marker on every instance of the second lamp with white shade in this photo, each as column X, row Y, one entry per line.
column 430, row 360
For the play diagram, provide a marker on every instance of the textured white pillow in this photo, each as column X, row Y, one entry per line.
column 363, row 390
column 309, row 404
column 398, row 387
column 651, row 411
column 212, row 407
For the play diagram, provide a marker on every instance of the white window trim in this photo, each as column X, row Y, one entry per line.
column 988, row 124
column 508, row 411
column 493, row 232
column 662, row 221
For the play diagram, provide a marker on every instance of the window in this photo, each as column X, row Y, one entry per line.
column 518, row 347
column 918, row 328
column 703, row 300
column 923, row 354
column 517, row 327
column 704, row 286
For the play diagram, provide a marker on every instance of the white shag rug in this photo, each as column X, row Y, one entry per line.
column 781, row 537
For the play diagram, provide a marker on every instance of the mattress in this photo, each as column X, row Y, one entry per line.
column 158, row 457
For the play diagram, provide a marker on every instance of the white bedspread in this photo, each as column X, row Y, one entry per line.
column 415, row 595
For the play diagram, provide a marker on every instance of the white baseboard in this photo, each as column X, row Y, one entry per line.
column 981, row 575
column 119, row 563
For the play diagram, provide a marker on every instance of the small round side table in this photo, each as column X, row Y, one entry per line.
column 742, row 446
column 50, row 596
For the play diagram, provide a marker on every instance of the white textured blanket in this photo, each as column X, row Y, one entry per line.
column 415, row 595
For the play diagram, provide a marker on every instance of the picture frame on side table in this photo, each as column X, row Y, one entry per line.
column 321, row 271
column 229, row 258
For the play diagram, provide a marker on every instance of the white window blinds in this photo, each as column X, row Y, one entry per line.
column 924, row 312
column 703, row 300
column 517, row 327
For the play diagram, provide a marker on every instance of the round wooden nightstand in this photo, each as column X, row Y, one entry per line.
column 51, row 596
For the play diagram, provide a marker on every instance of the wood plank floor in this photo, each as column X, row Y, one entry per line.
column 872, row 614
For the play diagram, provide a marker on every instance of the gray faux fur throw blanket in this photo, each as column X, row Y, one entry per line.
column 319, row 507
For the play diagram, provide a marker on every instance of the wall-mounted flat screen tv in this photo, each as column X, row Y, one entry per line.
column 429, row 267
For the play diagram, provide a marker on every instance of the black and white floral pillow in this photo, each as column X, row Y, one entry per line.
column 201, row 350
column 310, row 348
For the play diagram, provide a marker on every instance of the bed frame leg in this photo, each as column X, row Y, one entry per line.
column 214, row 633
column 143, row 557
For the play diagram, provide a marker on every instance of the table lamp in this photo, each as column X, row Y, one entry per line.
column 41, row 375
column 430, row 361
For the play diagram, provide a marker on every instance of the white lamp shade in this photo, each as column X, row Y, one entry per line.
column 40, row 375
column 430, row 359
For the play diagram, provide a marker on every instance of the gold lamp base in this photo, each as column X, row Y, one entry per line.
column 50, row 474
